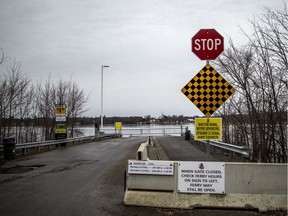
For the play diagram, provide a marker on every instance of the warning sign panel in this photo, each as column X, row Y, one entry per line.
column 60, row 110
column 201, row 177
column 208, row 129
column 118, row 126
column 208, row 90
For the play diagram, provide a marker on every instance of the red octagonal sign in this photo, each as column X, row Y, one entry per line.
column 207, row 44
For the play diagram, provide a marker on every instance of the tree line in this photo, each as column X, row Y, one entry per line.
column 256, row 115
column 24, row 105
column 27, row 110
column 147, row 119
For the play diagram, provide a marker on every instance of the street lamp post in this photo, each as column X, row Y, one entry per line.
column 101, row 127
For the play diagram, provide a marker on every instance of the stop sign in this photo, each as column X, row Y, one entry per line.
column 207, row 44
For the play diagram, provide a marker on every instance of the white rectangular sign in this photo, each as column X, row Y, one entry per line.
column 201, row 177
column 60, row 118
column 150, row 167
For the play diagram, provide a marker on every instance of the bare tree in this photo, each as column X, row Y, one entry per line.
column 13, row 94
column 76, row 105
column 2, row 57
column 259, row 73
column 64, row 93
column 22, row 104
column 3, row 106
column 47, row 98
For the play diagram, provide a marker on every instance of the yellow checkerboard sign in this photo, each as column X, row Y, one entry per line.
column 208, row 90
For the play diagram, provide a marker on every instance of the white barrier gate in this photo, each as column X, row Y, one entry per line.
column 201, row 184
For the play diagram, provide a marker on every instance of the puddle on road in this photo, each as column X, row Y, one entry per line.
column 19, row 169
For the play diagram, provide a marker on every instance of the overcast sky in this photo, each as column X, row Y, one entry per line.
column 146, row 43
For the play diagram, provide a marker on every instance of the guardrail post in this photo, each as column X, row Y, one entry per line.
column 187, row 134
column 9, row 145
column 208, row 150
column 96, row 131
column 230, row 155
column 222, row 151
column 24, row 151
column 212, row 149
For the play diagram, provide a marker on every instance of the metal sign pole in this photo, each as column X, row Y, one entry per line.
column 208, row 147
column 208, row 141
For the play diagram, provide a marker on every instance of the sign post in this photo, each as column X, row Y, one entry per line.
column 207, row 90
column 60, row 122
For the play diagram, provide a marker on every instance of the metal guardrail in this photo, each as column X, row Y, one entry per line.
column 149, row 131
column 244, row 151
column 23, row 146
column 52, row 142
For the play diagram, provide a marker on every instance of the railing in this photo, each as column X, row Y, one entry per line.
column 61, row 142
column 52, row 142
column 149, row 131
column 244, row 151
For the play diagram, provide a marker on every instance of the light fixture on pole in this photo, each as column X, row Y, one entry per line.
column 101, row 127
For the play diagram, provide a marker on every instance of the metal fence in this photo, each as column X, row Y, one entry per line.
column 157, row 131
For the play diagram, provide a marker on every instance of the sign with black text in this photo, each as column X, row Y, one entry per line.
column 150, row 167
column 208, row 129
column 201, row 177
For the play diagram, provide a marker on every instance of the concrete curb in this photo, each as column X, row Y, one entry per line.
column 190, row 201
column 155, row 151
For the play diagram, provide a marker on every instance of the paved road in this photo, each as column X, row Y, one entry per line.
column 179, row 149
column 81, row 180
